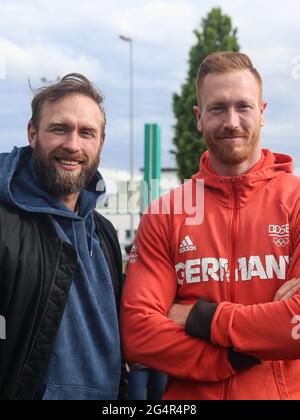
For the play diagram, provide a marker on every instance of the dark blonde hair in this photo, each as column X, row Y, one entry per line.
column 71, row 83
column 224, row 62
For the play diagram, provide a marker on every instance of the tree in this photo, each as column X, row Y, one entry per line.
column 217, row 35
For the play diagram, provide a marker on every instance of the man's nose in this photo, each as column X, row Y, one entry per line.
column 231, row 120
column 72, row 142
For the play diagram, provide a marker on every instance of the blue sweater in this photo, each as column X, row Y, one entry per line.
column 85, row 361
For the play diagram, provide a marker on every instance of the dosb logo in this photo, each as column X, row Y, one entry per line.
column 275, row 230
column 280, row 234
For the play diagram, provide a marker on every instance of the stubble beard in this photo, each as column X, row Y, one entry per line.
column 58, row 181
column 229, row 153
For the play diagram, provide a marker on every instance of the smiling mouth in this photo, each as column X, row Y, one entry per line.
column 231, row 137
column 69, row 163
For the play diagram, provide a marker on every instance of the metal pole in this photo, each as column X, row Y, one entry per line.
column 130, row 41
column 131, row 132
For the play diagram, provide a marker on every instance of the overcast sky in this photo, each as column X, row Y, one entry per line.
column 43, row 38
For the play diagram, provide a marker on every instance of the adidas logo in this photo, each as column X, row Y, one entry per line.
column 187, row 245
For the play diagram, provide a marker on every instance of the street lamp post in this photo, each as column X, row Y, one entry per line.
column 129, row 40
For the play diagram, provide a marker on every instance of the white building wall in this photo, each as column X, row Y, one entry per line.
column 115, row 207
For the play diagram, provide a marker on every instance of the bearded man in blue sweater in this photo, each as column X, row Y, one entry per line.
column 60, row 261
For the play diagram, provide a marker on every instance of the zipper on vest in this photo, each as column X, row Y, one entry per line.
column 233, row 241
column 233, row 263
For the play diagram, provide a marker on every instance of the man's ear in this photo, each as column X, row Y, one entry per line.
column 263, row 107
column 197, row 112
column 31, row 134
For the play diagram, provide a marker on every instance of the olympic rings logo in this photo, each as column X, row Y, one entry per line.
column 282, row 242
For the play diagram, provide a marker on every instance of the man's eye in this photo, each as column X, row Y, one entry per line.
column 58, row 130
column 87, row 133
column 217, row 109
column 244, row 107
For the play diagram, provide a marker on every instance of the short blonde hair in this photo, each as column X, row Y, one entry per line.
column 224, row 62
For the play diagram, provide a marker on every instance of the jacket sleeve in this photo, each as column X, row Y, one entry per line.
column 149, row 336
column 268, row 331
column 111, row 249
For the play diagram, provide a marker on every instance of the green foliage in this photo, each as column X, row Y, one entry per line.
column 217, row 35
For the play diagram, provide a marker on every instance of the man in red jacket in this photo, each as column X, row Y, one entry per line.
column 215, row 303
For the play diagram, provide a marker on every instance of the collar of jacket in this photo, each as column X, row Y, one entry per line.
column 244, row 187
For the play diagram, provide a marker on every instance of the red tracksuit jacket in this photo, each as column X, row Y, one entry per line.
column 244, row 249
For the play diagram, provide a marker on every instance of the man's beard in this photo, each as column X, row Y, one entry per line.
column 58, row 181
column 230, row 153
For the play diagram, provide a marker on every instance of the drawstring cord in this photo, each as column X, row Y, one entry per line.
column 91, row 247
column 74, row 235
column 92, row 234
